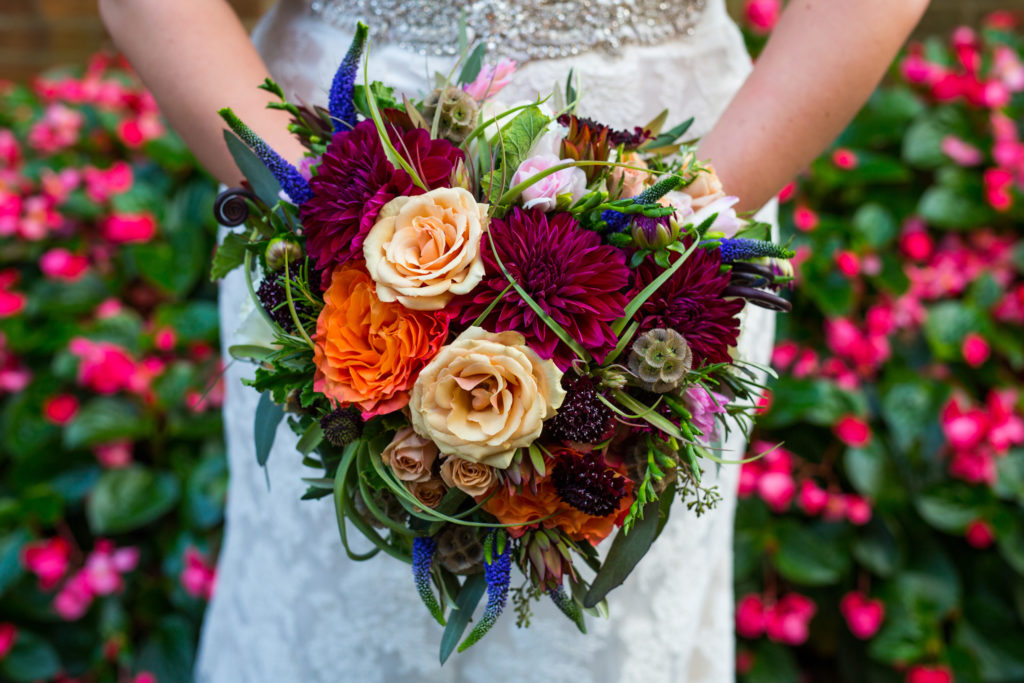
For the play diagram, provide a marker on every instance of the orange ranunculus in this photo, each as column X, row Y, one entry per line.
column 512, row 506
column 369, row 353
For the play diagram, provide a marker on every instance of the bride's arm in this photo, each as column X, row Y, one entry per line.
column 195, row 57
column 820, row 65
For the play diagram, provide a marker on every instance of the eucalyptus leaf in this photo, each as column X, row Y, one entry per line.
column 465, row 603
column 268, row 417
column 475, row 62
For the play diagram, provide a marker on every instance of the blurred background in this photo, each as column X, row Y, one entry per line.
column 884, row 541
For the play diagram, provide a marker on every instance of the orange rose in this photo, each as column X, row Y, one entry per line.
column 512, row 506
column 369, row 353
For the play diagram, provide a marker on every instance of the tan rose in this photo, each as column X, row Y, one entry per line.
column 429, row 493
column 424, row 250
column 629, row 182
column 705, row 189
column 410, row 456
column 472, row 478
column 485, row 395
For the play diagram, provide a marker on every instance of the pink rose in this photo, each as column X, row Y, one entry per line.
column 544, row 193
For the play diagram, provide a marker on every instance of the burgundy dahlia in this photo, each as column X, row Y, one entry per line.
column 355, row 179
column 575, row 279
column 588, row 484
column 692, row 303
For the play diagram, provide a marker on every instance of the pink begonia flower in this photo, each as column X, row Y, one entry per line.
column 964, row 428
column 976, row 466
column 102, row 184
column 74, row 599
column 848, row 263
column 58, row 185
column 750, row 472
column 918, row 70
column 805, row 219
column 806, row 364
column 104, row 367
column 863, row 615
column 1008, row 154
column 811, row 498
column 787, row 193
column 1000, row 20
column 544, row 193
column 962, row 153
column 198, row 577
column 842, row 337
column 8, row 636
column 39, row 218
column 744, row 662
column 750, row 616
column 165, row 339
column 857, row 509
column 994, row 95
column 787, row 621
column 128, row 228
column 135, row 132
column 853, row 431
column 59, row 128
column 61, row 264
column 999, row 188
column 141, row 381
column 835, row 507
column 60, row 409
column 929, row 674
column 145, row 677
column 212, row 400
column 114, row 455
column 915, row 242
column 1006, row 427
column 491, row 79
column 775, row 458
column 108, row 308
column 777, row 490
column 12, row 303
column 13, row 375
column 764, row 404
column 762, row 15
column 784, row 353
column 880, row 319
column 10, row 212
column 704, row 405
column 105, row 565
column 871, row 264
column 48, row 559
column 975, row 350
column 10, row 150
column 845, row 159
column 979, row 534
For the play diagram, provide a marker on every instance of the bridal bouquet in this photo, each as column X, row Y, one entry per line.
column 501, row 333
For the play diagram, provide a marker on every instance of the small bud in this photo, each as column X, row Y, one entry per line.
column 280, row 250
column 655, row 233
column 460, row 176
column 611, row 378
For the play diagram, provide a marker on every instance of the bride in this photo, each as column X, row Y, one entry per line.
column 289, row 605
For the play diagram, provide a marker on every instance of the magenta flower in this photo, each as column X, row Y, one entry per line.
column 355, row 179
column 491, row 79
column 575, row 279
column 863, row 615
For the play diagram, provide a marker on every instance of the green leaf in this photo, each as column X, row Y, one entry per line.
column 169, row 650
column 947, row 324
column 310, row 439
column 268, row 417
column 626, row 551
column 31, row 658
column 875, row 224
column 250, row 352
column 263, row 182
column 513, row 146
column 230, row 255
column 952, row 209
column 465, row 603
column 10, row 557
column 811, row 555
column 947, row 509
column 908, row 408
column 773, row 663
column 878, row 549
column 867, row 469
column 473, row 64
column 129, row 498
column 922, row 145
column 106, row 419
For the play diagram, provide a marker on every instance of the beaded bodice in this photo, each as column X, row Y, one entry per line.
column 521, row 29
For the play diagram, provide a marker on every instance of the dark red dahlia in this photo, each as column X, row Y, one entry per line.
column 355, row 179
column 575, row 279
column 582, row 417
column 692, row 303
column 587, row 483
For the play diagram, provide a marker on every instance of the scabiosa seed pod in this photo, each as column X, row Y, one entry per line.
column 588, row 484
column 458, row 113
column 341, row 426
column 459, row 549
column 582, row 417
column 660, row 358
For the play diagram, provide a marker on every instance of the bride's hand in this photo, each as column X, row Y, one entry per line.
column 195, row 57
column 821, row 63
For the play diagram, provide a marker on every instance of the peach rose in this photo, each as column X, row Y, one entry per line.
column 410, row 456
column 705, row 189
column 629, row 182
column 424, row 250
column 472, row 478
column 485, row 395
column 429, row 493
column 369, row 352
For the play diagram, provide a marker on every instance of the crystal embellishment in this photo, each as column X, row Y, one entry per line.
column 521, row 29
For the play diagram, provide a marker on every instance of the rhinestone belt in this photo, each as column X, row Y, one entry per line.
column 521, row 29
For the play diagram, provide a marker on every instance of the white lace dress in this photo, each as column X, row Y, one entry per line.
column 290, row 606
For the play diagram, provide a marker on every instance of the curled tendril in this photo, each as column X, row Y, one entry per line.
column 231, row 208
column 759, row 297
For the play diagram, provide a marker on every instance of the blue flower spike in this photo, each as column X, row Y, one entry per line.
column 339, row 101
column 618, row 221
column 423, row 548
column 569, row 607
column 292, row 182
column 498, row 572
column 745, row 249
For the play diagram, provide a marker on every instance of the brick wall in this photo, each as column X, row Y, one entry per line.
column 35, row 34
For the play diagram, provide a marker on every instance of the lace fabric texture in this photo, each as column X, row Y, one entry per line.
column 290, row 606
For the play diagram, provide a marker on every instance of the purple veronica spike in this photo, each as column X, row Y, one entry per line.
column 568, row 606
column 745, row 249
column 339, row 102
column 498, row 573
column 292, row 182
column 422, row 559
column 617, row 221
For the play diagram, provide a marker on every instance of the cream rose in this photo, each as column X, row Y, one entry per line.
column 424, row 250
column 629, row 182
column 485, row 395
column 472, row 478
column 410, row 456
column 705, row 189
